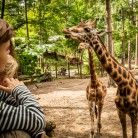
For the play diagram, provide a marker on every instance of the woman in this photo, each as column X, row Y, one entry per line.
column 27, row 116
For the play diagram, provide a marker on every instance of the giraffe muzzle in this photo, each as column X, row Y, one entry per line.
column 66, row 32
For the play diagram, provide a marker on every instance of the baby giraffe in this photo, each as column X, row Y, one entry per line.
column 95, row 91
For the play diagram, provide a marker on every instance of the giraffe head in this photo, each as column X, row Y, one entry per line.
column 82, row 32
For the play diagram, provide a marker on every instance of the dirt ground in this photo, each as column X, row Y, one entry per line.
column 64, row 102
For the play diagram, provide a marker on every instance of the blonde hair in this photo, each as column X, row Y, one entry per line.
column 10, row 68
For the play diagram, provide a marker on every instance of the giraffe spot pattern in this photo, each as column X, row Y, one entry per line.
column 124, row 73
column 134, row 103
column 121, row 93
column 131, row 83
column 91, row 44
column 95, row 42
column 128, row 75
column 134, row 95
column 103, row 59
column 128, row 91
column 119, row 79
column 109, row 68
column 126, row 103
column 115, row 74
column 107, row 55
column 89, row 36
column 109, row 59
column 132, row 109
column 125, row 92
column 119, row 70
column 96, row 47
column 115, row 65
column 123, row 84
column 79, row 38
column 100, row 51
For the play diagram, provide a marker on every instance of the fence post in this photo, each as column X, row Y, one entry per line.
column 43, row 64
column 81, row 69
column 78, row 68
column 69, row 69
column 56, row 69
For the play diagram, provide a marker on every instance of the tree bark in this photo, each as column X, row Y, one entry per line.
column 2, row 9
column 40, row 20
column 136, row 61
column 109, row 34
column 129, row 54
column 123, row 38
column 109, row 26
column 26, row 18
column 130, row 42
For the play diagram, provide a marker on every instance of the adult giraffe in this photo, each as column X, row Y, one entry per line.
column 127, row 93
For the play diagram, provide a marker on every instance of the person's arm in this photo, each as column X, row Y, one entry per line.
column 7, row 98
column 3, row 95
column 27, row 116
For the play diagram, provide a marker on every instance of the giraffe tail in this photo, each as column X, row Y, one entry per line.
column 96, row 112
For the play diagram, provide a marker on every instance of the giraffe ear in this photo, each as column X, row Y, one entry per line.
column 92, row 23
column 82, row 23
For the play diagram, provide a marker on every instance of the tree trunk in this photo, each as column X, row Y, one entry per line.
column 129, row 54
column 26, row 18
column 40, row 21
column 123, row 38
column 2, row 9
column 112, row 43
column 136, row 61
column 109, row 33
column 109, row 26
column 130, row 42
column 67, row 13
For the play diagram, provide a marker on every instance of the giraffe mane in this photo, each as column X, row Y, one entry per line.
column 114, row 58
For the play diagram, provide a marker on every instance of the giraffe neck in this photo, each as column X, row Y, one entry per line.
column 116, row 71
column 92, row 68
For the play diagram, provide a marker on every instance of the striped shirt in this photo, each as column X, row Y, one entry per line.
column 21, row 111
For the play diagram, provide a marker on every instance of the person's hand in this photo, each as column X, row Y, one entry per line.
column 9, row 84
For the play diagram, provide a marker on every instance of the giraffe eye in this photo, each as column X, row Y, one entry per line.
column 87, row 29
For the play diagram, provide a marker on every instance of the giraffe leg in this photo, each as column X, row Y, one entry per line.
column 92, row 119
column 134, row 126
column 122, row 117
column 100, row 107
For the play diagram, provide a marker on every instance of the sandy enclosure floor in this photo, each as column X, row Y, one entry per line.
column 64, row 101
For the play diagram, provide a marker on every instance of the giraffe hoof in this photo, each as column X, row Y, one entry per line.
column 99, row 128
column 92, row 135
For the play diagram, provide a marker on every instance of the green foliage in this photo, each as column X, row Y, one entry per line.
column 47, row 18
column 28, row 63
